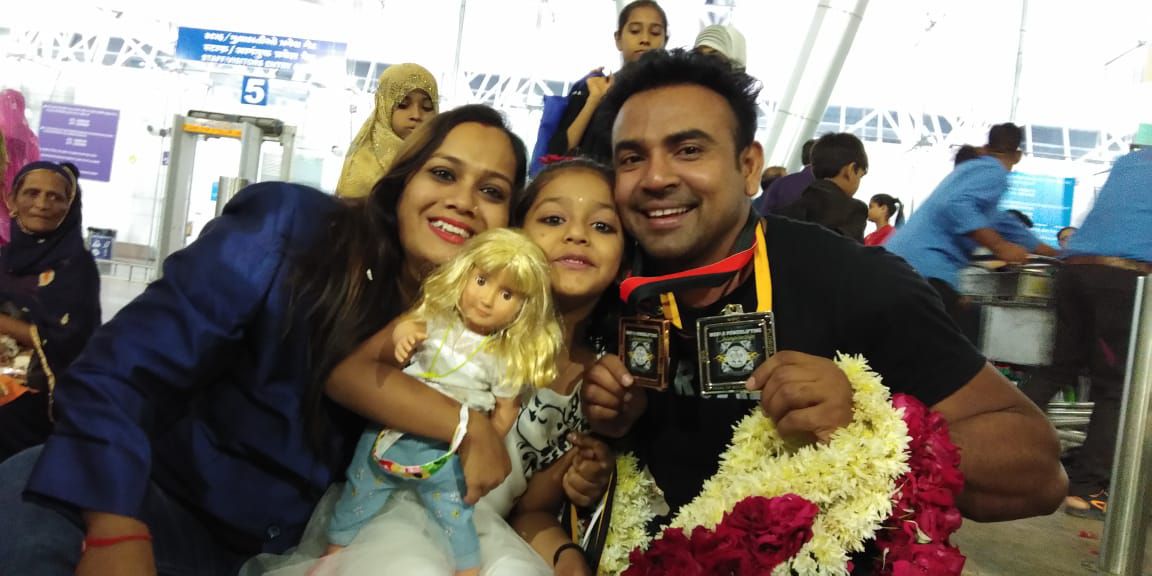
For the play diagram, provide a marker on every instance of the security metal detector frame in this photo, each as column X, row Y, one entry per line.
column 186, row 132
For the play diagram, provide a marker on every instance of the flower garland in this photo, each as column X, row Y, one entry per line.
column 914, row 540
column 849, row 483
column 632, row 510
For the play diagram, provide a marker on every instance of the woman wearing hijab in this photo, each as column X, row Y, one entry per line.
column 406, row 97
column 723, row 41
column 49, row 295
column 21, row 145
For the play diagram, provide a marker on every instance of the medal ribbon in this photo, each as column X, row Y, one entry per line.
column 639, row 288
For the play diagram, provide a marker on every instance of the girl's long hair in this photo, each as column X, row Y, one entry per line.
column 347, row 286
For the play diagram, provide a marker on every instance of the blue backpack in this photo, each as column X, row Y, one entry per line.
column 554, row 109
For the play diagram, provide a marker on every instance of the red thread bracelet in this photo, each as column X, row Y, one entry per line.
column 105, row 542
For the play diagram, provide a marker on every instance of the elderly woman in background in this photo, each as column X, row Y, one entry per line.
column 406, row 97
column 49, row 296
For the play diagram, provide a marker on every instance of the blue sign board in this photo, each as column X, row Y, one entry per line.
column 82, row 135
column 254, row 91
column 254, row 50
column 1047, row 200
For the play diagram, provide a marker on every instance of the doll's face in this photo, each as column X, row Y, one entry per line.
column 488, row 303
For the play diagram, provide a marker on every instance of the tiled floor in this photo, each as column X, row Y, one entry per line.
column 115, row 293
column 1056, row 545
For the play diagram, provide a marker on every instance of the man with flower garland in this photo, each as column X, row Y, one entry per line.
column 687, row 166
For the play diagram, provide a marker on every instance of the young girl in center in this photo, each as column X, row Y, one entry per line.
column 483, row 329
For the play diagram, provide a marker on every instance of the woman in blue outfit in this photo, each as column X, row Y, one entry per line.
column 203, row 423
column 49, row 295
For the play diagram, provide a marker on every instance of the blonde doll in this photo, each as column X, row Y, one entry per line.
column 482, row 331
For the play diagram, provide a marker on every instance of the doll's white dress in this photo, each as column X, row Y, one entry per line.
column 404, row 540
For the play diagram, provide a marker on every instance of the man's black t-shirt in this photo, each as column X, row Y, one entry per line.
column 830, row 295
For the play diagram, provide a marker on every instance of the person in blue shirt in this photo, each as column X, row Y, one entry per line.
column 963, row 208
column 1094, row 297
column 1065, row 235
column 1016, row 227
column 203, row 423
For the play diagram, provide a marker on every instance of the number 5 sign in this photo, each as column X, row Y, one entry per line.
column 255, row 91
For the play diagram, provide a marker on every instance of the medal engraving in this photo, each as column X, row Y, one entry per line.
column 731, row 347
column 644, row 350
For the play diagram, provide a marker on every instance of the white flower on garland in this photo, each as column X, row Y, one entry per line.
column 851, row 479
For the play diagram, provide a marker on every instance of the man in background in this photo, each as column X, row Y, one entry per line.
column 787, row 190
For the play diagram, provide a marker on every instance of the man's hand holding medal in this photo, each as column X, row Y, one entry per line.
column 807, row 396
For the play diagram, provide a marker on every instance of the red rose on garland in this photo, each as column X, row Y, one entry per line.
column 775, row 529
column 756, row 536
column 914, row 540
column 670, row 555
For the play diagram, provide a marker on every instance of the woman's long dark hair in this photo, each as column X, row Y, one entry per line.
column 340, row 304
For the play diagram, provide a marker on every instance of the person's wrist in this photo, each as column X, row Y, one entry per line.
column 106, row 525
column 569, row 553
column 477, row 426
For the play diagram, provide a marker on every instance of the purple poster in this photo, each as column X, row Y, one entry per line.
column 81, row 135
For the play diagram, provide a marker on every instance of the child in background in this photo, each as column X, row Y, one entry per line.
column 882, row 208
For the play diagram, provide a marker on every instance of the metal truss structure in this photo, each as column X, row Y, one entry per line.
column 151, row 47
column 148, row 47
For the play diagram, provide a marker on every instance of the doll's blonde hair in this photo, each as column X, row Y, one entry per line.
column 528, row 347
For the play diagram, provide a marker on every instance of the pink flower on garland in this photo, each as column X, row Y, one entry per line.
column 914, row 541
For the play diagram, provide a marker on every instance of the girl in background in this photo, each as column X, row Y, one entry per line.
column 882, row 208
column 406, row 97
column 641, row 27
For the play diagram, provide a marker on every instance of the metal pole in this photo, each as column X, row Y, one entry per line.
column 784, row 110
column 459, row 49
column 1019, row 61
column 1126, row 524
column 824, row 93
column 174, row 219
column 288, row 152
column 226, row 188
